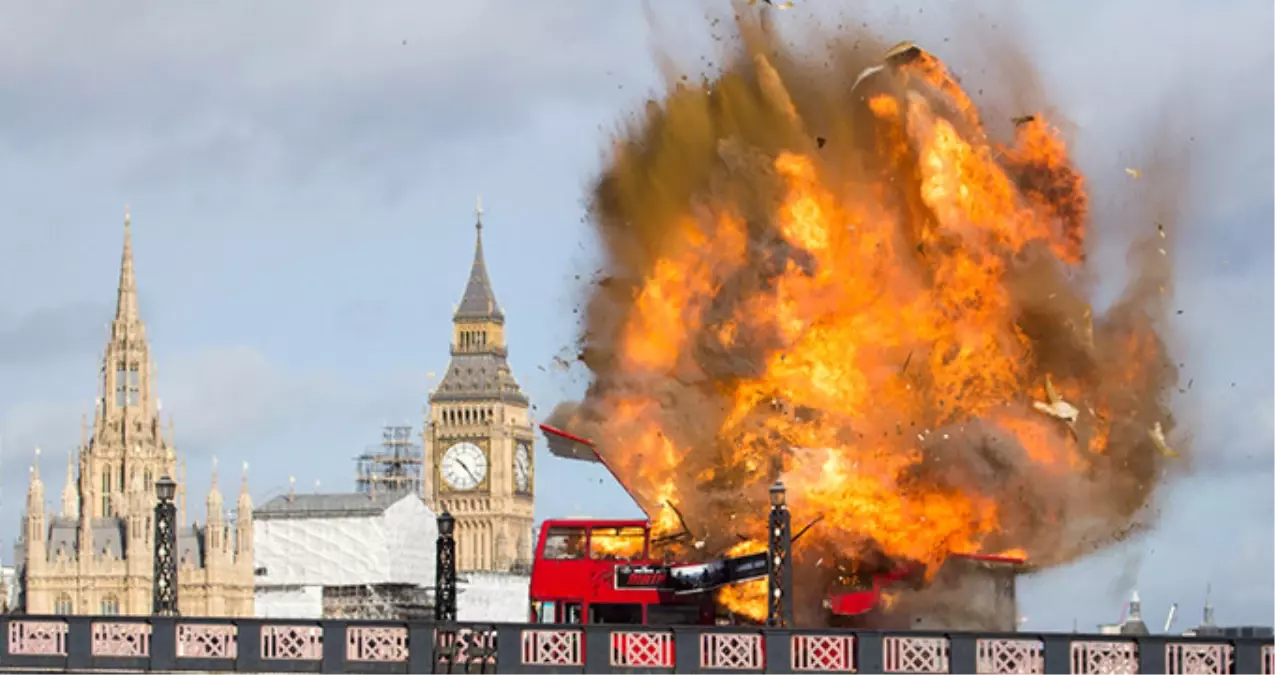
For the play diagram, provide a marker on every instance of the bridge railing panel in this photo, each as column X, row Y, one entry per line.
column 177, row 644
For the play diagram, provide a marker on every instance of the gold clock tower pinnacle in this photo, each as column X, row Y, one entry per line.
column 478, row 435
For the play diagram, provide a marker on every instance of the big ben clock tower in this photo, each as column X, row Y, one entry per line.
column 479, row 436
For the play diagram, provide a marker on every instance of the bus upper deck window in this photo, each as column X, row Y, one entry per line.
column 564, row 543
column 617, row 543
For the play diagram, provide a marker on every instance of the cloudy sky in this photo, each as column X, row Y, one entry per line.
column 302, row 178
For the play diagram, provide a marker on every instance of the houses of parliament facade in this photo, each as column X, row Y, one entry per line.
column 96, row 555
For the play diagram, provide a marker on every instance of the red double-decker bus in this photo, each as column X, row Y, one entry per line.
column 603, row 571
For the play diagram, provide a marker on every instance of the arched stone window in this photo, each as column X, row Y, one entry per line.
column 110, row 605
column 63, row 604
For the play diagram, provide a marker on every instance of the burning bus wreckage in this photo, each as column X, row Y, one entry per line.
column 835, row 276
column 634, row 578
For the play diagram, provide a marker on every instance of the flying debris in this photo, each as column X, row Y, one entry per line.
column 772, row 3
column 898, row 55
column 1136, row 173
column 1023, row 119
column 1157, row 436
column 1056, row 407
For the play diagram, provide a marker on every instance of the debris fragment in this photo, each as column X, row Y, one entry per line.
column 1056, row 407
column 820, row 141
column 1133, row 172
column 1157, row 436
column 1159, row 227
column 1023, row 119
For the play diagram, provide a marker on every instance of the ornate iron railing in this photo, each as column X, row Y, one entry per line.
column 88, row 643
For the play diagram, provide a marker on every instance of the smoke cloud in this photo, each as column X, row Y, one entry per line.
column 858, row 284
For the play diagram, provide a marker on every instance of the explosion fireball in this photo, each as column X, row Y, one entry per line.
column 846, row 282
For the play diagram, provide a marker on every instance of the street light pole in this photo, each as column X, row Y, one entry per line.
column 165, row 595
column 445, row 570
column 779, row 567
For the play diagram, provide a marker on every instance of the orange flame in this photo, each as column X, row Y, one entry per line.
column 865, row 320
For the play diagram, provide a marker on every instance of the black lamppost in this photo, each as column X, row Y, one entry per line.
column 165, row 603
column 445, row 570
column 779, row 567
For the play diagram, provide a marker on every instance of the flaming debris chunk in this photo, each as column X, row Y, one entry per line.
column 1157, row 437
column 761, row 294
column 1056, row 407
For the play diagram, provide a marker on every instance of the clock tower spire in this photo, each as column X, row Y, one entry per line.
column 478, row 434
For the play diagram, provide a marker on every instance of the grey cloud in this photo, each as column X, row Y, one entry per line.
column 38, row 337
column 296, row 71
column 227, row 398
column 53, row 427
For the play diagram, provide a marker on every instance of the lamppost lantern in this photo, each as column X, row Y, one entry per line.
column 446, row 524
column 778, row 494
column 165, row 488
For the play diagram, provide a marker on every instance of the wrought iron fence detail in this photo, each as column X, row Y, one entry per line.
column 121, row 639
column 1009, row 655
column 823, row 653
column 375, row 643
column 552, row 647
column 292, row 643
column 642, row 649
column 907, row 654
column 1115, row 658
column 1199, row 659
column 207, row 641
column 731, row 651
column 466, row 650
column 38, row 638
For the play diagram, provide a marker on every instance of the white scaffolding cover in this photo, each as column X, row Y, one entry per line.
column 344, row 543
column 493, row 597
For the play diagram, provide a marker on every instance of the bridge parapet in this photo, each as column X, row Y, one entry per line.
column 88, row 643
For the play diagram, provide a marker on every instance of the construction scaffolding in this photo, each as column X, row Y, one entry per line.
column 396, row 465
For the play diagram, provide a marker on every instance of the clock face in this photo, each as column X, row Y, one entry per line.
column 464, row 466
column 522, row 468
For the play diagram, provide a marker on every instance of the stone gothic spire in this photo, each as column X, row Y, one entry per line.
column 479, row 301
column 126, row 441
column 215, row 501
column 127, row 367
column 126, row 305
column 35, row 491
column 215, row 530
column 245, row 501
column 70, row 493
column 243, row 523
column 35, row 521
